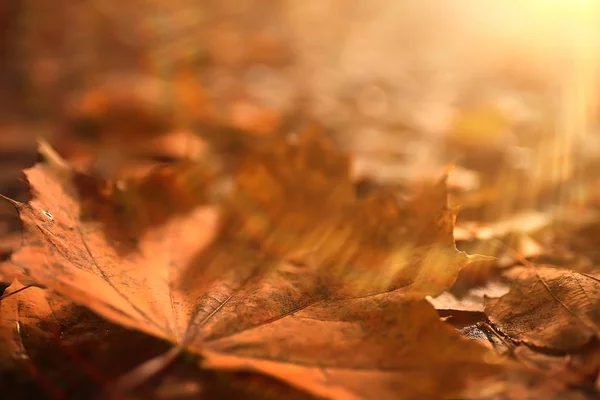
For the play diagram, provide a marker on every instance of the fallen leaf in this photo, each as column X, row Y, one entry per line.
column 552, row 308
column 576, row 369
column 516, row 232
column 34, row 323
column 195, row 279
column 472, row 301
column 56, row 348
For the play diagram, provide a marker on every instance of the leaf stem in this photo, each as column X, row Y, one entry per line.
column 7, row 295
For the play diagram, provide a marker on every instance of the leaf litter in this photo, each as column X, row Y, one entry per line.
column 243, row 282
column 198, row 280
column 258, row 251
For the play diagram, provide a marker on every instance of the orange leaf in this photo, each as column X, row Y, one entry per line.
column 339, row 270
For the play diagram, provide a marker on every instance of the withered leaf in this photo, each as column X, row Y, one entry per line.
column 16, row 317
column 547, row 307
column 471, row 301
column 36, row 322
column 57, row 348
column 576, row 369
column 197, row 277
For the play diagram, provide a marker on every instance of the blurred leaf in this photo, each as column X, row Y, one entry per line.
column 263, row 265
column 552, row 308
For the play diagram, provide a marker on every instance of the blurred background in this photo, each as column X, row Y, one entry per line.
column 507, row 91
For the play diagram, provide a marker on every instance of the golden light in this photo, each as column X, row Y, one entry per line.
column 561, row 37
column 578, row 22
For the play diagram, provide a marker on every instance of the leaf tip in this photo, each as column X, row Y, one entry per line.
column 442, row 182
column 475, row 258
column 50, row 156
column 14, row 202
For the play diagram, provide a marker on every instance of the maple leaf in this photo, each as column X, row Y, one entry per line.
column 195, row 275
column 553, row 308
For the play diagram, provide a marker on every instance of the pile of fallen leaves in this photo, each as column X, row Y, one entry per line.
column 266, row 270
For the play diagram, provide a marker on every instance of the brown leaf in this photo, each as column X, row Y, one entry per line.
column 16, row 317
column 471, row 301
column 547, row 307
column 576, row 369
column 535, row 374
column 54, row 347
column 197, row 278
column 515, row 232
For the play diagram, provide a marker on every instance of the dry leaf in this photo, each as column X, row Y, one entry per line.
column 56, row 348
column 577, row 369
column 516, row 232
column 15, row 317
column 472, row 301
column 552, row 308
column 79, row 242
column 35, row 324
